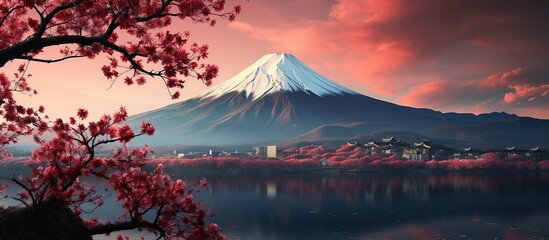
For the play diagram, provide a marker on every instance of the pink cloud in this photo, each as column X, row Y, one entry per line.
column 421, row 53
column 501, row 79
column 531, row 93
column 374, row 39
column 289, row 40
column 497, row 92
column 429, row 91
column 481, row 107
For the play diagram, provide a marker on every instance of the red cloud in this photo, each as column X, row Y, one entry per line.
column 430, row 94
column 496, row 92
column 503, row 79
column 392, row 46
column 527, row 92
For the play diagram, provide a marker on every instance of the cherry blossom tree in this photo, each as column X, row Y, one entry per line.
column 132, row 36
column 86, row 28
column 59, row 164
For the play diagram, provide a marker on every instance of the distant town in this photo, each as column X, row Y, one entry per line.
column 424, row 150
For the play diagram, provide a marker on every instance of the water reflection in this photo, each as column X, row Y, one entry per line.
column 379, row 206
column 271, row 190
column 418, row 205
column 374, row 187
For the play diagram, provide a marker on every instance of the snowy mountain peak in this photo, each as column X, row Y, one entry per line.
column 278, row 72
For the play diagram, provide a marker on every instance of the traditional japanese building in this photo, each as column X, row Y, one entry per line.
column 352, row 143
column 511, row 151
column 417, row 151
column 537, row 154
column 387, row 146
column 468, row 153
column 425, row 151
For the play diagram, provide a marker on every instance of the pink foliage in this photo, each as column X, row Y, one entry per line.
column 87, row 29
column 544, row 165
column 346, row 148
column 238, row 163
column 58, row 165
column 485, row 162
column 17, row 119
column 351, row 157
column 514, row 158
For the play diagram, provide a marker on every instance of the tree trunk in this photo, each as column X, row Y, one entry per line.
column 47, row 222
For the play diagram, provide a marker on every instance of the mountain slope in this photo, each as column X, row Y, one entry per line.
column 279, row 98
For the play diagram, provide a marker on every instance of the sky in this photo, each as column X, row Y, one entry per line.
column 452, row 56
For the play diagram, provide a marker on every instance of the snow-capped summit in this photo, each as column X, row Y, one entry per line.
column 278, row 72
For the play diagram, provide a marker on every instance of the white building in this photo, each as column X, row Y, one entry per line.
column 266, row 151
column 271, row 152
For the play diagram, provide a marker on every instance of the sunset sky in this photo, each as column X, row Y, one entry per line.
column 459, row 56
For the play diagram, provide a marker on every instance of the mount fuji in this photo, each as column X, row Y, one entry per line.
column 278, row 99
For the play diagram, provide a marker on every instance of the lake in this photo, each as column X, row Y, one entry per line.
column 339, row 205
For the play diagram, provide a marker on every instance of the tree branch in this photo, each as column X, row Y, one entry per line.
column 120, row 226
column 47, row 60
column 112, row 227
column 130, row 57
column 24, row 47
column 38, row 12
column 31, row 195
column 47, row 19
column 158, row 13
column 8, row 14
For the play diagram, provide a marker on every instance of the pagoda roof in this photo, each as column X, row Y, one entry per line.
column 422, row 144
column 352, row 143
column 535, row 149
column 378, row 145
column 387, row 146
column 513, row 148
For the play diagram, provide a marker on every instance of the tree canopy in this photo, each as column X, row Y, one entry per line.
column 133, row 36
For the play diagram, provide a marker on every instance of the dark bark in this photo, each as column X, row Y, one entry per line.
column 47, row 222
column 24, row 47
column 119, row 226
column 108, row 228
